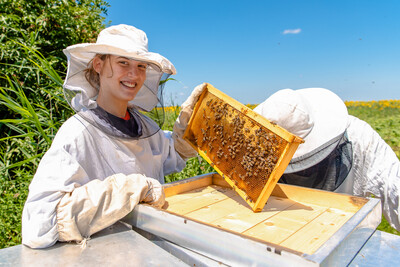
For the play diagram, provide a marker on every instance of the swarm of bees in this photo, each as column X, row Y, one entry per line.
column 245, row 151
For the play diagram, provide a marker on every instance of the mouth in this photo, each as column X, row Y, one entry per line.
column 129, row 84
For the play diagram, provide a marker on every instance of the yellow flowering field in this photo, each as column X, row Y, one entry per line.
column 380, row 104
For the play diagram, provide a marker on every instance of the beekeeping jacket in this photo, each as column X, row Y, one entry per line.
column 79, row 154
column 341, row 153
column 93, row 174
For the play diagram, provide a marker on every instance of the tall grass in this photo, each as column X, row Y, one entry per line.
column 27, row 129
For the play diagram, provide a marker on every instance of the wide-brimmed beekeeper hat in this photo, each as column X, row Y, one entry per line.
column 121, row 40
column 316, row 115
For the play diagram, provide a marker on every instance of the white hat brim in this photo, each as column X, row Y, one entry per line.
column 316, row 115
column 86, row 51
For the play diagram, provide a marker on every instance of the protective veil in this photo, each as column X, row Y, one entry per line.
column 341, row 153
column 125, row 41
column 93, row 175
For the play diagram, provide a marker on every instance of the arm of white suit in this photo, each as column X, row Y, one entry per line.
column 376, row 169
column 58, row 209
column 98, row 204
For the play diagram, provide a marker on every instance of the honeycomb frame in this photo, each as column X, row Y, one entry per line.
column 248, row 151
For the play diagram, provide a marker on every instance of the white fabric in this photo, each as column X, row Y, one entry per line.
column 80, row 153
column 121, row 40
column 98, row 204
column 316, row 115
column 155, row 195
column 375, row 170
column 181, row 146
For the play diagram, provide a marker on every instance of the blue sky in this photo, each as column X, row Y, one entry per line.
column 251, row 49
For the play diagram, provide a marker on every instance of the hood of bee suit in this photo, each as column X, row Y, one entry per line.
column 316, row 115
column 120, row 40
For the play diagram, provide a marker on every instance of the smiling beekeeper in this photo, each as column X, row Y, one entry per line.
column 341, row 153
column 108, row 157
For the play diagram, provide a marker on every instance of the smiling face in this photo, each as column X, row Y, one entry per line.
column 120, row 80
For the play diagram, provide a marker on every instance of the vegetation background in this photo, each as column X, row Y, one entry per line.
column 32, row 108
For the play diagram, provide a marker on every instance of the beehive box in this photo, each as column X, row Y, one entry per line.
column 297, row 227
column 250, row 152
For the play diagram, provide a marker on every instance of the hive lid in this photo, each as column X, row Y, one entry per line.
column 247, row 150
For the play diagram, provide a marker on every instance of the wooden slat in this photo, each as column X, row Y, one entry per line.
column 317, row 232
column 198, row 201
column 218, row 210
column 189, row 194
column 186, row 185
column 285, row 223
column 243, row 219
column 320, row 197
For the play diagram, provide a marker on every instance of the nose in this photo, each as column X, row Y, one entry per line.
column 133, row 71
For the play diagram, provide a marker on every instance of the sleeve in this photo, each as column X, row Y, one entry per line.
column 64, row 205
column 173, row 162
column 57, row 174
column 99, row 204
column 376, row 169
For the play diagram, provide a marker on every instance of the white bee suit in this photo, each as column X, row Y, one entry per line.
column 103, row 176
column 375, row 170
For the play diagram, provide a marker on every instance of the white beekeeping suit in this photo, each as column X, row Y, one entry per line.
column 341, row 153
column 95, row 173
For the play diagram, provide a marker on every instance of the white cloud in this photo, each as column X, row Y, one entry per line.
column 292, row 31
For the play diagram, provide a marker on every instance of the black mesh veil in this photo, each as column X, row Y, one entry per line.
column 330, row 171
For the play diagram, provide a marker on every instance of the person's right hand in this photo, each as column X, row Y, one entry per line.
column 155, row 193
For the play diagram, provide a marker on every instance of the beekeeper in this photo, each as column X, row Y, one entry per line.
column 108, row 157
column 341, row 153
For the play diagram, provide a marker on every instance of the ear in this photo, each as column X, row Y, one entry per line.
column 97, row 64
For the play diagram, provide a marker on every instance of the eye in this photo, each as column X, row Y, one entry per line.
column 123, row 62
column 142, row 66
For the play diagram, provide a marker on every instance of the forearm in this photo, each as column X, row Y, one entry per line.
column 98, row 204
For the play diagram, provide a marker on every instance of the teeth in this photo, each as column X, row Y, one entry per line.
column 129, row 84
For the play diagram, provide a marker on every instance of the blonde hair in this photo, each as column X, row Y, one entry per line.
column 91, row 74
